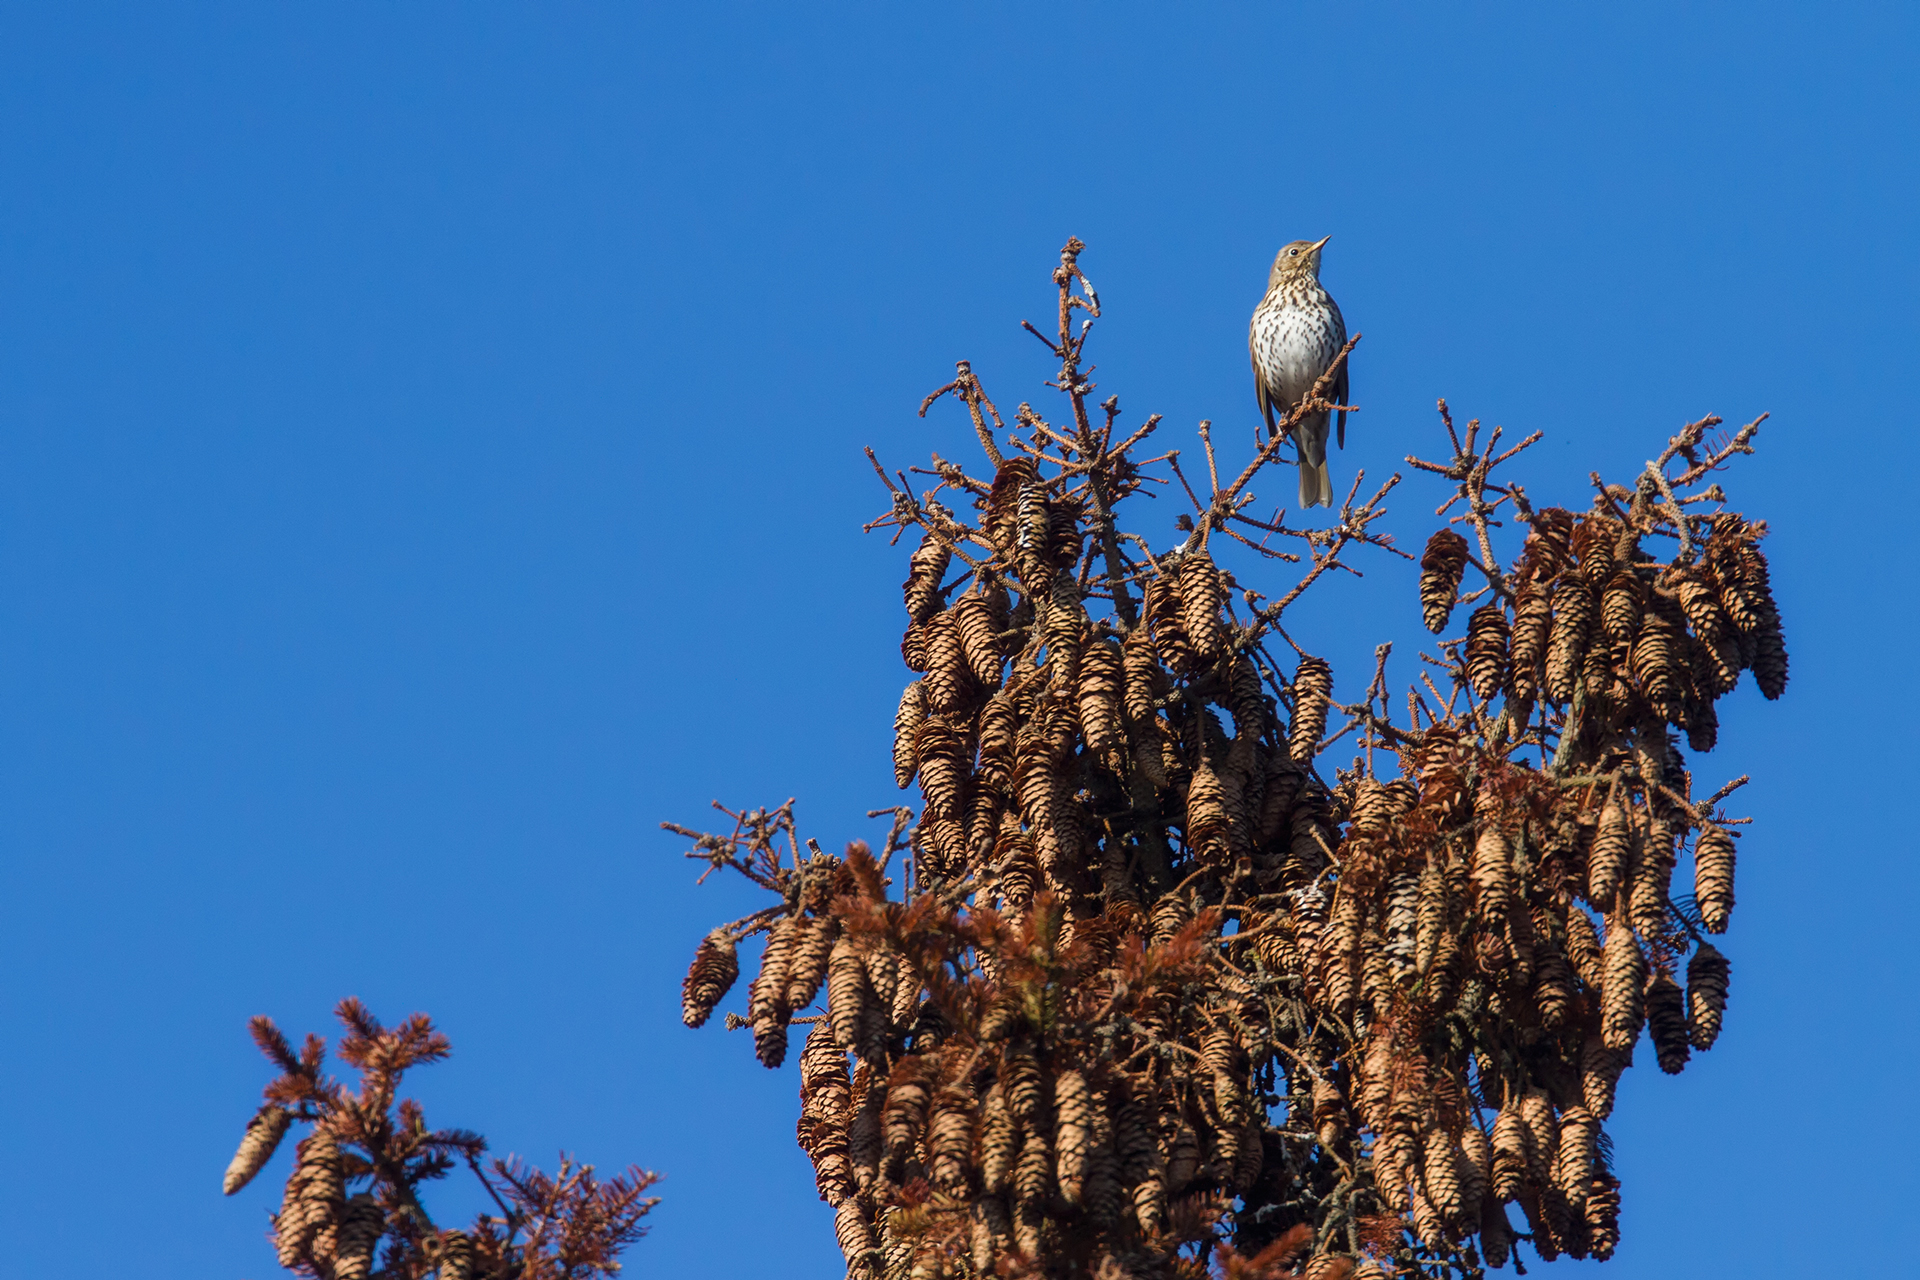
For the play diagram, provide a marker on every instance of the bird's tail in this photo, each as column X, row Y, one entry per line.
column 1316, row 484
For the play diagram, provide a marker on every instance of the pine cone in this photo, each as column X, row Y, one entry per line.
column 1567, row 640
column 1713, row 877
column 1441, row 567
column 1667, row 1023
column 906, row 728
column 1532, row 620
column 1201, row 599
column 712, row 974
column 1099, row 700
column 1610, row 859
column 1312, row 693
column 1707, row 976
column 925, row 569
column 261, row 1140
column 1073, row 1133
column 1622, row 993
column 1600, row 1069
column 1487, row 666
column 979, row 638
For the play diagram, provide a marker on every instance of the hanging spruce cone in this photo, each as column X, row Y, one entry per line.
column 262, row 1139
column 925, row 568
column 1312, row 693
column 1201, row 599
column 1706, row 996
column 456, row 1256
column 1441, row 567
column 1622, row 997
column 907, row 720
column 1621, row 606
column 1770, row 656
column 1603, row 1217
column 1667, row 1023
column 1610, row 859
column 1099, row 695
column 1487, row 667
column 1583, row 949
column 1600, row 1069
column 980, row 638
column 1713, row 877
column 1532, row 619
column 712, row 974
column 1567, row 639
column 360, row 1229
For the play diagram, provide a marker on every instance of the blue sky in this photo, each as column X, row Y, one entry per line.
column 429, row 457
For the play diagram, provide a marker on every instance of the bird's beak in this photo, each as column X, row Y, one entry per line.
column 1320, row 243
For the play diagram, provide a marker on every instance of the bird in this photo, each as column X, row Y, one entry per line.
column 1296, row 332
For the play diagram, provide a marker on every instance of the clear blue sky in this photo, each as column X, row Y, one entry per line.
column 429, row 457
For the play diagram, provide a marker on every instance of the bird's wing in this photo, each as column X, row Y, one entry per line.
column 1260, row 384
column 1340, row 382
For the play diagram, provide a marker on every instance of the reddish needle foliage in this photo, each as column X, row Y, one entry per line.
column 1153, row 987
column 358, row 1171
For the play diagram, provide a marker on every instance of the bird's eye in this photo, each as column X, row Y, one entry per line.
column 1293, row 253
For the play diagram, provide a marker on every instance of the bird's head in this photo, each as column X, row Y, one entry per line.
column 1301, row 258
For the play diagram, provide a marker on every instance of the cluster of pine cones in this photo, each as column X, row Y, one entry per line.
column 1155, row 982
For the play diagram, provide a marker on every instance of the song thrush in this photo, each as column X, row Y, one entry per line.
column 1297, row 330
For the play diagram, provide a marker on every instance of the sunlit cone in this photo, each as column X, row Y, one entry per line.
column 1073, row 1133
column 1312, row 693
column 807, row 966
column 1594, row 541
column 1603, row 1217
column 1163, row 615
column 261, row 1140
column 1476, row 1167
column 1099, row 701
column 1441, row 567
column 854, row 1232
column 906, row 728
column 313, row 1197
column 1573, row 1167
column 951, row 688
column 1652, row 880
column 712, row 974
column 950, row 1141
column 944, row 766
column 1567, row 640
column 1026, row 1090
column 1440, row 1171
column 1622, row 603
column 999, row 1139
column 1667, row 1023
column 1610, row 857
column 1201, row 598
column 1033, row 1170
column 979, row 639
column 1532, row 620
column 360, row 1230
column 1035, row 530
column 1622, row 1007
column 1659, row 666
column 849, row 995
column 1713, row 876
column 1513, row 1159
column 1492, row 872
column 456, row 1256
column 1543, row 1132
column 1487, row 666
column 1707, row 975
column 1583, row 949
column 1600, row 1069
column 1430, row 916
column 925, row 569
